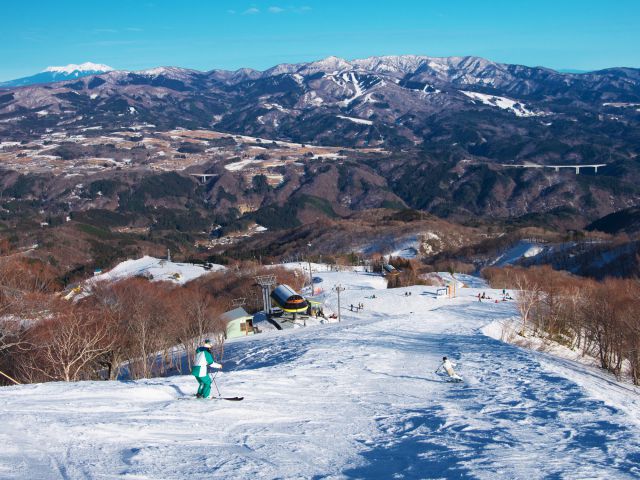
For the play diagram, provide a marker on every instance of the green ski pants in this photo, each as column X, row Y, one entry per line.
column 204, row 385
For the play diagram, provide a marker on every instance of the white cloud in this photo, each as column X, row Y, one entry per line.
column 275, row 9
column 105, row 30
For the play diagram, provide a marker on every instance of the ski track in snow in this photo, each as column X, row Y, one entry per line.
column 357, row 399
column 522, row 249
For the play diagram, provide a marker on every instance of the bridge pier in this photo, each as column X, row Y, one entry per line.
column 203, row 177
column 557, row 168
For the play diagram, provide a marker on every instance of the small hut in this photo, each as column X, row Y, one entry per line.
column 239, row 323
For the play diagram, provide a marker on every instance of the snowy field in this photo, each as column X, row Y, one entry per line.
column 157, row 269
column 358, row 399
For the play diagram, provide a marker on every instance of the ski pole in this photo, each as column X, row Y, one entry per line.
column 213, row 379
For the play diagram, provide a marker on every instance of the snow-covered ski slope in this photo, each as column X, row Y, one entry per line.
column 156, row 268
column 358, row 399
column 522, row 249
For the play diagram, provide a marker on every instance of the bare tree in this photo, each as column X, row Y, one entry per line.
column 11, row 338
column 219, row 330
column 107, row 301
column 195, row 316
column 528, row 297
column 67, row 346
column 19, row 277
column 146, row 330
column 10, row 333
column 632, row 345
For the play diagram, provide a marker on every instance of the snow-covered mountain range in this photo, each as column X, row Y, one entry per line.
column 392, row 100
column 460, row 114
column 59, row 74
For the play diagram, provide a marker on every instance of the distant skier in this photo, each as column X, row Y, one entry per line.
column 203, row 359
column 448, row 367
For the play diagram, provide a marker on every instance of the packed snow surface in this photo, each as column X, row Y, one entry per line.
column 514, row 106
column 463, row 280
column 361, row 121
column 520, row 250
column 356, row 399
column 408, row 248
column 156, row 268
column 239, row 165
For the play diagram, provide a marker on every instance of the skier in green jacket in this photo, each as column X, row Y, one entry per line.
column 203, row 359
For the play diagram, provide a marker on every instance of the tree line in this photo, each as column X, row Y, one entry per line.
column 596, row 318
column 133, row 328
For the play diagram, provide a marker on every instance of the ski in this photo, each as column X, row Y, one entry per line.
column 231, row 399
column 452, row 380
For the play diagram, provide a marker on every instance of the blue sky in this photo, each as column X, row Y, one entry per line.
column 207, row 34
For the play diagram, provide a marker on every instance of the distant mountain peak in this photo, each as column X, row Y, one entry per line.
column 158, row 71
column 330, row 63
column 59, row 74
column 83, row 67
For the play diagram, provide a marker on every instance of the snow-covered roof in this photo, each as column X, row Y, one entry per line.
column 235, row 314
